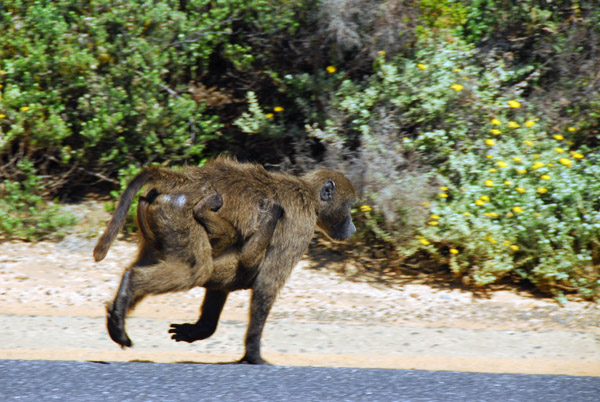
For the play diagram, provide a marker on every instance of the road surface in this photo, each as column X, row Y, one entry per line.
column 89, row 381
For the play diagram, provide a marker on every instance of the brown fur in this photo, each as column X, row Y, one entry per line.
column 175, row 252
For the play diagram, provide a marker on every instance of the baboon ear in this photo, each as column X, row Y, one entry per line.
column 327, row 190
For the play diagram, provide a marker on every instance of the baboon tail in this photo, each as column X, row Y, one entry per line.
column 116, row 223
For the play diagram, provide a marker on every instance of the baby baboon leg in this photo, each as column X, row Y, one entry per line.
column 214, row 300
column 116, row 312
column 220, row 232
column 256, row 246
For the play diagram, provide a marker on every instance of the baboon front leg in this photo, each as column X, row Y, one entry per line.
column 214, row 300
column 260, row 306
column 255, row 248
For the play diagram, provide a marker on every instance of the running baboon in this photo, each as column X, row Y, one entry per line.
column 276, row 212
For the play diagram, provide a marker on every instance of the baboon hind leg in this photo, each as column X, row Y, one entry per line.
column 214, row 300
column 139, row 281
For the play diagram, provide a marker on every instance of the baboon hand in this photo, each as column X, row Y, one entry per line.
column 272, row 208
column 190, row 332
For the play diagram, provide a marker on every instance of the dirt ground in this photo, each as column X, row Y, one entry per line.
column 52, row 307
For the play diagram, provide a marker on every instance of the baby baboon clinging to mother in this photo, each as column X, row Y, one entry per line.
column 260, row 222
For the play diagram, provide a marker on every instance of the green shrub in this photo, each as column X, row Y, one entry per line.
column 518, row 197
column 23, row 213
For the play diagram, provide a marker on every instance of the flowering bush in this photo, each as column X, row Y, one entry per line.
column 499, row 191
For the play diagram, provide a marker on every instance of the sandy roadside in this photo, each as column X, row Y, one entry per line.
column 52, row 307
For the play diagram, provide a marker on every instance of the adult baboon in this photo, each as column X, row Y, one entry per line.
column 178, row 255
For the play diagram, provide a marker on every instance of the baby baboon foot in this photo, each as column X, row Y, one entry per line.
column 190, row 332
column 115, row 323
column 213, row 202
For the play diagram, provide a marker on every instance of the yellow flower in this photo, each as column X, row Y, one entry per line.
column 434, row 216
column 529, row 123
column 558, row 137
column 489, row 156
column 24, row 108
column 517, row 159
column 2, row 116
column 467, row 214
column 514, row 247
column 577, row 155
column 489, row 183
column 485, row 198
column 479, row 202
column 537, row 156
column 426, row 203
column 433, row 223
column 444, row 188
column 507, row 182
column 422, row 66
column 542, row 190
column 509, row 215
column 331, row 69
column 527, row 142
column 278, row 109
column 495, row 122
column 490, row 142
column 513, row 124
column 453, row 251
column 269, row 115
column 518, row 209
column 559, row 150
column 501, row 164
column 424, row 242
column 381, row 53
column 520, row 190
column 495, row 131
column 565, row 161
column 514, row 104
column 492, row 170
column 443, row 195
column 365, row 208
column 521, row 171
column 572, row 129
column 457, row 87
column 491, row 240
column 545, row 177
column 538, row 165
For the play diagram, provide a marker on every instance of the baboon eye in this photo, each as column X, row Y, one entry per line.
column 327, row 190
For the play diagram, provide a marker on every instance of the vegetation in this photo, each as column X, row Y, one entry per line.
column 470, row 126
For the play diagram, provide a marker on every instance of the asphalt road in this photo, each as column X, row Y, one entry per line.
column 90, row 381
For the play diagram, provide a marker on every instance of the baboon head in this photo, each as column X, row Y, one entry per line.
column 336, row 195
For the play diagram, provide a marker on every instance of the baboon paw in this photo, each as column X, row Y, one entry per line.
column 253, row 360
column 270, row 206
column 116, row 329
column 190, row 332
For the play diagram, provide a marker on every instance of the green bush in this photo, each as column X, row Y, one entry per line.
column 518, row 197
column 23, row 212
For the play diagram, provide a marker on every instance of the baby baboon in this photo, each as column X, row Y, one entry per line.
column 272, row 218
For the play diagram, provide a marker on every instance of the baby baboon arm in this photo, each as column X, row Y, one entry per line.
column 220, row 232
column 256, row 246
column 214, row 300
